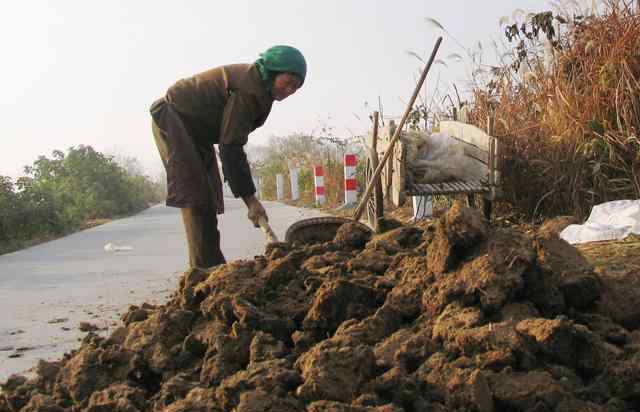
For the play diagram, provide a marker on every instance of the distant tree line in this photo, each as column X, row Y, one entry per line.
column 59, row 194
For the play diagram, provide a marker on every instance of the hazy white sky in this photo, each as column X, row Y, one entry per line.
column 85, row 72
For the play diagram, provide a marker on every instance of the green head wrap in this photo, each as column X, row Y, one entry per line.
column 281, row 59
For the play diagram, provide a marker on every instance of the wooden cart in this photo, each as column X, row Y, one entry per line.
column 395, row 183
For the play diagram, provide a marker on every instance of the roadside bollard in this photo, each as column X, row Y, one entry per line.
column 350, row 183
column 279, row 187
column 293, row 175
column 257, row 183
column 318, row 180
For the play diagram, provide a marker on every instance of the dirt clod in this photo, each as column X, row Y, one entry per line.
column 88, row 327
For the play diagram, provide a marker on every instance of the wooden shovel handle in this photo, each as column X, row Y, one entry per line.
column 365, row 196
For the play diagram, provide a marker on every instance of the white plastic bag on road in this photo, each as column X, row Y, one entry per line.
column 608, row 221
column 110, row 247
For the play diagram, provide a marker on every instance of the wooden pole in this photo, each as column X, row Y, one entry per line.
column 363, row 202
column 374, row 140
column 378, row 204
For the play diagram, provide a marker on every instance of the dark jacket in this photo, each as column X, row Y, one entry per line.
column 222, row 105
column 219, row 106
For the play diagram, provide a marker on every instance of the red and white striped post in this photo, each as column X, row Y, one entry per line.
column 318, row 179
column 350, row 183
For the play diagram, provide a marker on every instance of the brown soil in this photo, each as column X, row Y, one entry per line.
column 453, row 315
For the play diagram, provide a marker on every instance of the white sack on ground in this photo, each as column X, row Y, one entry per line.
column 608, row 221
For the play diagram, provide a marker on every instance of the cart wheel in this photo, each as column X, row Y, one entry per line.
column 318, row 229
column 375, row 208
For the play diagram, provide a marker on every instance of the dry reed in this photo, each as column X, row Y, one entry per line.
column 570, row 125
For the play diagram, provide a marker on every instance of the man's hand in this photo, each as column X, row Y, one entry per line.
column 255, row 210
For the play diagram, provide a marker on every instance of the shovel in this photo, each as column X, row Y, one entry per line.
column 327, row 227
column 266, row 229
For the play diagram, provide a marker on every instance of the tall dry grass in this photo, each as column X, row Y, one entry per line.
column 570, row 125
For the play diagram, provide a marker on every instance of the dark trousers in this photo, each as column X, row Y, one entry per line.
column 201, row 221
column 203, row 236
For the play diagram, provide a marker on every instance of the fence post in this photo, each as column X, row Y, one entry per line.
column 318, row 182
column 350, row 183
column 279, row 187
column 293, row 175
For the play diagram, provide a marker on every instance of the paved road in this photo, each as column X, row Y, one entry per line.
column 47, row 290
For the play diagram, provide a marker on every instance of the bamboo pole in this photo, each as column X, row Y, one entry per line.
column 363, row 202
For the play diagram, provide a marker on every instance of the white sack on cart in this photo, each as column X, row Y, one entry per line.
column 438, row 158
